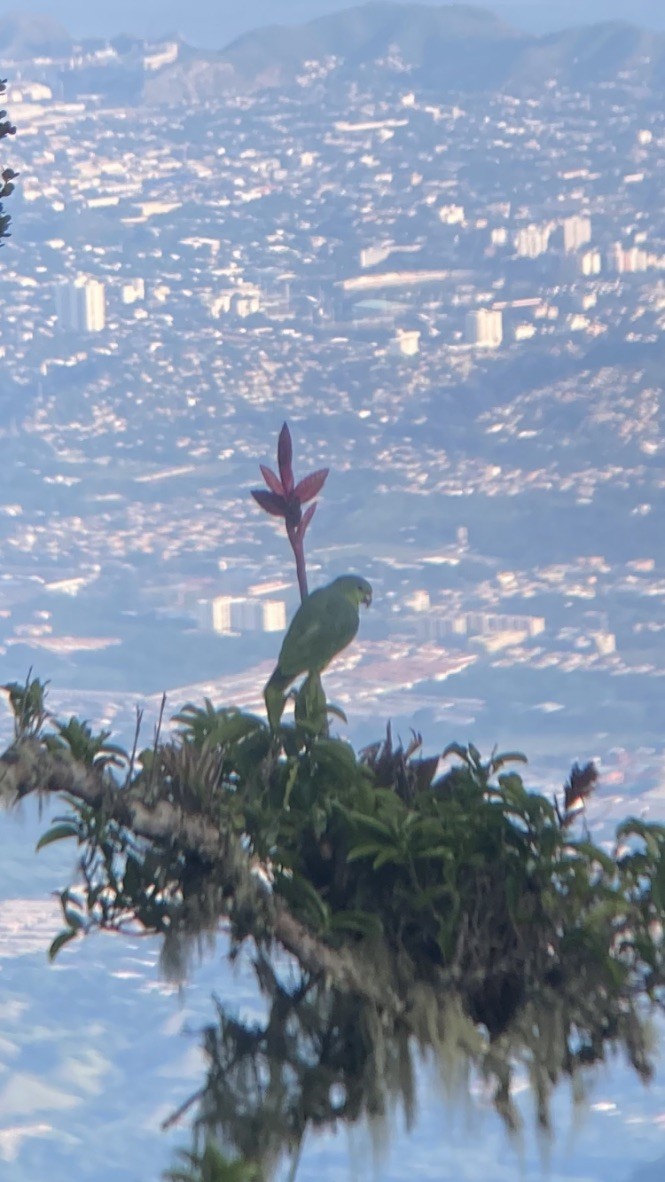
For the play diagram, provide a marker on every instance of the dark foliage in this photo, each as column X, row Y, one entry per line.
column 7, row 175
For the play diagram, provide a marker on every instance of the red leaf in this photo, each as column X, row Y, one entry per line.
column 285, row 459
column 310, row 485
column 306, row 518
column 270, row 502
column 274, row 483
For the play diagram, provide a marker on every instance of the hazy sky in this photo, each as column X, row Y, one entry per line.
column 216, row 22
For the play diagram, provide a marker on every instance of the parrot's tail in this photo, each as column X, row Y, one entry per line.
column 274, row 696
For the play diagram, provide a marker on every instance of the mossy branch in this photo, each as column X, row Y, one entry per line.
column 29, row 768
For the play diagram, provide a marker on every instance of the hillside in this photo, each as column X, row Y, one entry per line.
column 454, row 47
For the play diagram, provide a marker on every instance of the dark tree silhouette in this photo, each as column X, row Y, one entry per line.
column 7, row 175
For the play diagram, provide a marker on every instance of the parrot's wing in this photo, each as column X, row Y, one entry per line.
column 323, row 625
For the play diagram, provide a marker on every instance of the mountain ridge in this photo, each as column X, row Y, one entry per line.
column 455, row 47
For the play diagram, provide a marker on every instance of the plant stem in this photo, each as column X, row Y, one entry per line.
column 299, row 554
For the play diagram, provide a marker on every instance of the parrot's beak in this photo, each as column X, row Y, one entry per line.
column 367, row 599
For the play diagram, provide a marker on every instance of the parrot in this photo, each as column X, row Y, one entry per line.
column 326, row 621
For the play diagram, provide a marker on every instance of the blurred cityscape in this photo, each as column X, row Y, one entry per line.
column 456, row 297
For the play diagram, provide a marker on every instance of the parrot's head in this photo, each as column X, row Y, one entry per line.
column 355, row 588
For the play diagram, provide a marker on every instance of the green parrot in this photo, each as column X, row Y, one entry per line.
column 323, row 625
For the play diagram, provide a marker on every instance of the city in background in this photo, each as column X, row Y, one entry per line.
column 444, row 263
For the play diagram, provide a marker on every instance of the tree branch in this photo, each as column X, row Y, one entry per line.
column 27, row 767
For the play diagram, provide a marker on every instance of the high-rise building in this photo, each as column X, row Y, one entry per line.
column 532, row 240
column 80, row 305
column 590, row 262
column 629, row 259
column 576, row 232
column 484, row 328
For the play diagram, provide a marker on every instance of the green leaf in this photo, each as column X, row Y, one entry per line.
column 593, row 853
column 498, row 761
column 360, row 923
column 389, row 854
column 437, row 852
column 456, row 749
column 337, row 755
column 57, row 833
column 60, row 942
column 371, row 824
column 74, row 919
column 337, row 711
column 290, row 782
column 367, row 850
column 651, row 833
column 303, row 898
column 512, row 786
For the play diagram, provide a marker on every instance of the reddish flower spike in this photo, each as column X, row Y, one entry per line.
column 285, row 459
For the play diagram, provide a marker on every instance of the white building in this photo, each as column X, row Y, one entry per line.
column 274, row 615
column 484, row 328
column 246, row 303
column 405, row 343
column 371, row 256
column 498, row 236
column 628, row 259
column 231, row 614
column 531, row 241
column 576, row 232
column 30, row 92
column 452, row 215
column 80, row 305
column 133, row 291
column 590, row 262
column 419, row 601
column 163, row 55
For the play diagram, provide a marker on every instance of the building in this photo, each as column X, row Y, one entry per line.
column 246, row 303
column 487, row 623
column 627, row 260
column 532, row 241
column 405, row 343
column 576, row 233
column 274, row 615
column 371, row 256
column 80, row 305
column 590, row 262
column 452, row 215
column 230, row 614
column 419, row 601
column 133, row 291
column 484, row 328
